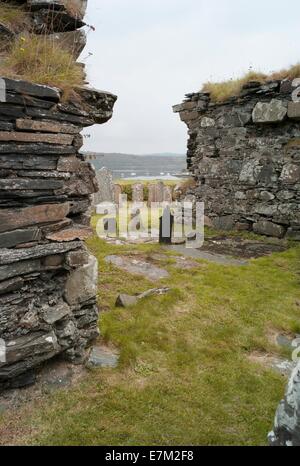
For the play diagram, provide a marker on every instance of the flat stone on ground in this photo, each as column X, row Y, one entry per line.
column 138, row 267
column 101, row 356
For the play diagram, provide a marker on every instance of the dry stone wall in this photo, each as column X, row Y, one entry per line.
column 244, row 154
column 48, row 280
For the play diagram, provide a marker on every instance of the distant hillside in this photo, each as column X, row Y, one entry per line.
column 120, row 154
column 159, row 166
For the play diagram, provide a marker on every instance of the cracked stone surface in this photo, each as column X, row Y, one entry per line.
column 138, row 267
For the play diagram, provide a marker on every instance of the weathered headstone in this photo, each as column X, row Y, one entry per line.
column 156, row 192
column 106, row 191
column 138, row 192
column 118, row 192
column 168, row 194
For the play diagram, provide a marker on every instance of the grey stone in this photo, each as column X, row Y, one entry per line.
column 269, row 112
column 8, row 256
column 124, row 300
column 168, row 194
column 294, row 110
column 35, row 90
column 19, row 268
column 13, row 238
column 207, row 122
column 117, row 193
column 290, row 174
column 106, row 187
column 81, row 285
column 244, row 171
column 138, row 267
column 156, row 193
column 103, row 357
column 138, row 192
column 267, row 228
column 45, row 200
column 53, row 314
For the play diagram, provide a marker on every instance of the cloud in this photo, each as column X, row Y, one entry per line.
column 151, row 53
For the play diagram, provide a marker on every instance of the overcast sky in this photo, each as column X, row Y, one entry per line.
column 151, row 52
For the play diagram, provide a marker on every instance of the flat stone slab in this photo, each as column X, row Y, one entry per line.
column 138, row 267
column 101, row 356
column 241, row 248
column 199, row 254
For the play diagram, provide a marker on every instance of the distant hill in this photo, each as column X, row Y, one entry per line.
column 158, row 166
column 120, row 154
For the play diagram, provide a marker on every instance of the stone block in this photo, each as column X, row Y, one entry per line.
column 294, row 110
column 26, row 124
column 267, row 228
column 13, row 238
column 57, row 139
column 19, row 269
column 138, row 192
column 54, row 314
column 82, row 283
column 35, row 90
column 12, row 219
column 105, row 191
column 270, row 112
column 290, row 174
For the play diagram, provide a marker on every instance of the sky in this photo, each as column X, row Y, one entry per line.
column 150, row 53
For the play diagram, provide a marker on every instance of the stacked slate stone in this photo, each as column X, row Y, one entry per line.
column 48, row 280
column 245, row 156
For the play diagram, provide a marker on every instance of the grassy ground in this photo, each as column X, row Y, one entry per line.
column 185, row 376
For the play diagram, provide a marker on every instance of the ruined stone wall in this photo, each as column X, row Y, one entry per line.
column 245, row 157
column 48, row 280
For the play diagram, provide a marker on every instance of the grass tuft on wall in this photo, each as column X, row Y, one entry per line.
column 222, row 91
column 39, row 59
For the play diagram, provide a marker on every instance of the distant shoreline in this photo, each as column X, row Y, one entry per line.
column 128, row 167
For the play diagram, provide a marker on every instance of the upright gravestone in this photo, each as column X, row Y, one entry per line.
column 118, row 192
column 106, row 192
column 156, row 192
column 138, row 192
column 168, row 194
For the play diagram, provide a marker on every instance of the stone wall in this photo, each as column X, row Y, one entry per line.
column 48, row 280
column 245, row 156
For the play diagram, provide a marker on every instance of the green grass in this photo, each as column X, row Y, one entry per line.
column 39, row 59
column 185, row 376
column 13, row 16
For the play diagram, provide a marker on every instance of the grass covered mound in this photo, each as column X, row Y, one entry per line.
column 186, row 375
column 39, row 59
column 224, row 90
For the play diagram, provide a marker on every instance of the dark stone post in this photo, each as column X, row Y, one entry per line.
column 166, row 223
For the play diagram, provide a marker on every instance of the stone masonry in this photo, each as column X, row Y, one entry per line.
column 48, row 280
column 244, row 154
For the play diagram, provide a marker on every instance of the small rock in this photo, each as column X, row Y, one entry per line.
column 102, row 356
column 124, row 300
